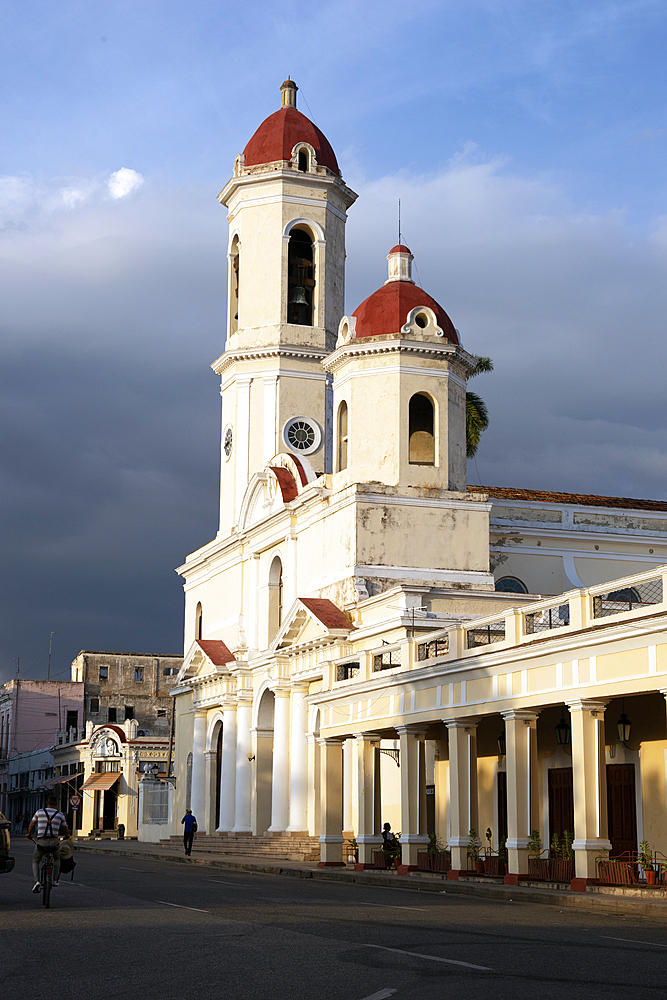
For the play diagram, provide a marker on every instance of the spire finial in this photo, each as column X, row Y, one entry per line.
column 288, row 94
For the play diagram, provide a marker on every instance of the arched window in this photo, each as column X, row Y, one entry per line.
column 342, row 437
column 422, row 440
column 511, row 585
column 275, row 596
column 300, row 278
column 198, row 622
column 303, row 160
column 234, row 263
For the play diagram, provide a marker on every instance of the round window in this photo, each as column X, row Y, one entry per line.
column 227, row 440
column 302, row 435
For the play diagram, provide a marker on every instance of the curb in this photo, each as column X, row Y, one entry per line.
column 501, row 893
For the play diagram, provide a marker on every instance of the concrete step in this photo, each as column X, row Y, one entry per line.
column 286, row 848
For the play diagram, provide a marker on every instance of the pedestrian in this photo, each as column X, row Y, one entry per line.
column 189, row 829
column 390, row 845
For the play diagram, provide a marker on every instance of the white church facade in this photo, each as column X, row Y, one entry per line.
column 367, row 637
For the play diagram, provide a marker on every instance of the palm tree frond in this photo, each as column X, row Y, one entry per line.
column 477, row 420
column 483, row 365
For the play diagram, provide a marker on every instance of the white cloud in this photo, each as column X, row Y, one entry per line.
column 124, row 181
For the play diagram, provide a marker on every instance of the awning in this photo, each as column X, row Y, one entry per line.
column 101, row 782
column 58, row 781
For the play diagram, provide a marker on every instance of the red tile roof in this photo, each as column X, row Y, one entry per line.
column 278, row 134
column 216, row 651
column 288, row 486
column 583, row 499
column 400, row 248
column 327, row 613
column 386, row 310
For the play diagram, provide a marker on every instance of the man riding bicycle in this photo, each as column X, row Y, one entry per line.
column 51, row 825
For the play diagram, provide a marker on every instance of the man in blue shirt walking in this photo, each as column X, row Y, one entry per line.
column 189, row 829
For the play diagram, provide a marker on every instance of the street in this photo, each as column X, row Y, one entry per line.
column 159, row 930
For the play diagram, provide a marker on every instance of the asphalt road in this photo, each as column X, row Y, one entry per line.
column 159, row 930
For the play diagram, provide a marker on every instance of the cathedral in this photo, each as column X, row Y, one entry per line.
column 368, row 639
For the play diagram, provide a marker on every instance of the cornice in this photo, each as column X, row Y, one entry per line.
column 228, row 358
column 371, row 347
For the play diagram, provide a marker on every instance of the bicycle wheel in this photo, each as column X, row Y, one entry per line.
column 46, row 889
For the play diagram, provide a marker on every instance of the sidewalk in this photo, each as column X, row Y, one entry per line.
column 600, row 899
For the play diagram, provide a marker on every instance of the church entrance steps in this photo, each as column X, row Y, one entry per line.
column 288, row 848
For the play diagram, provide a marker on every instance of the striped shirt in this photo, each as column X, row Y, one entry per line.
column 44, row 829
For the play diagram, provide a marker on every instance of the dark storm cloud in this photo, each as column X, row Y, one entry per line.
column 112, row 310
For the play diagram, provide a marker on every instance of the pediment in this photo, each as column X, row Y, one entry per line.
column 205, row 657
column 309, row 620
column 280, row 482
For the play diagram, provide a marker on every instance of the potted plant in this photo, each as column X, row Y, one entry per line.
column 538, row 867
column 473, row 852
column 353, row 853
column 645, row 858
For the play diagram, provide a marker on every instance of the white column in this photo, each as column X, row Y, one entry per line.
column 242, row 446
column 413, row 794
column 252, row 601
column 349, row 765
column 210, row 779
column 244, row 771
column 198, row 798
column 313, row 785
column 331, row 804
column 290, row 575
column 298, row 786
column 462, row 736
column 228, row 772
column 270, row 409
column 589, row 781
column 281, row 775
column 521, row 769
column 368, row 833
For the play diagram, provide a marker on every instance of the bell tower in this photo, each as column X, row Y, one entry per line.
column 286, row 207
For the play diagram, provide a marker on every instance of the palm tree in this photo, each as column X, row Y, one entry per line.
column 477, row 416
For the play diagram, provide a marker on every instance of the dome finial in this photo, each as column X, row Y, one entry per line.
column 400, row 264
column 288, row 94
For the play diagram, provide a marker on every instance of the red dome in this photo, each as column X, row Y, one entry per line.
column 277, row 136
column 385, row 311
column 400, row 248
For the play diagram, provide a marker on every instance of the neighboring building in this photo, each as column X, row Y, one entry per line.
column 31, row 713
column 346, row 618
column 28, row 774
column 105, row 766
column 122, row 686
column 546, row 543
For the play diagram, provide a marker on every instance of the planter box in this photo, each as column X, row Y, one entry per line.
column 616, row 873
column 441, row 862
column 538, row 868
column 382, row 860
column 433, row 862
column 562, row 871
column 493, row 867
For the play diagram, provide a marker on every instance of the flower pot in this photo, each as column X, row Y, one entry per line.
column 479, row 867
column 441, row 862
column 650, row 876
column 492, row 866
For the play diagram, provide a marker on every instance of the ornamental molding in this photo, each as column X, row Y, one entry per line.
column 226, row 360
column 431, row 351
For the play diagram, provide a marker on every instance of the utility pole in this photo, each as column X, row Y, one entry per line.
column 48, row 669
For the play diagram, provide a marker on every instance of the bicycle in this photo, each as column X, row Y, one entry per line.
column 46, row 876
column 46, row 866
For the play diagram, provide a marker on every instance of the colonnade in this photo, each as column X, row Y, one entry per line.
column 589, row 786
column 295, row 769
column 293, row 763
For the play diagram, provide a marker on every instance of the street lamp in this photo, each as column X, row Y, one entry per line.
column 624, row 725
column 502, row 744
column 563, row 732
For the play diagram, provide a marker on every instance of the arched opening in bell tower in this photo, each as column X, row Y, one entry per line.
column 198, row 622
column 300, row 278
column 421, row 436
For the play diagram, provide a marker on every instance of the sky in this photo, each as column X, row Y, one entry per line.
column 526, row 140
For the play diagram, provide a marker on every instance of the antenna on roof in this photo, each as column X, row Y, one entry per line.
column 399, row 220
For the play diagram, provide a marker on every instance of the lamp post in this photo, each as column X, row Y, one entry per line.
column 563, row 732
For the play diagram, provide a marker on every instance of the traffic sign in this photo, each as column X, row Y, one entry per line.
column 75, row 801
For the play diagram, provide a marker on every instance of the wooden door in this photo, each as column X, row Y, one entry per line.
column 561, row 803
column 621, row 808
column 502, row 807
